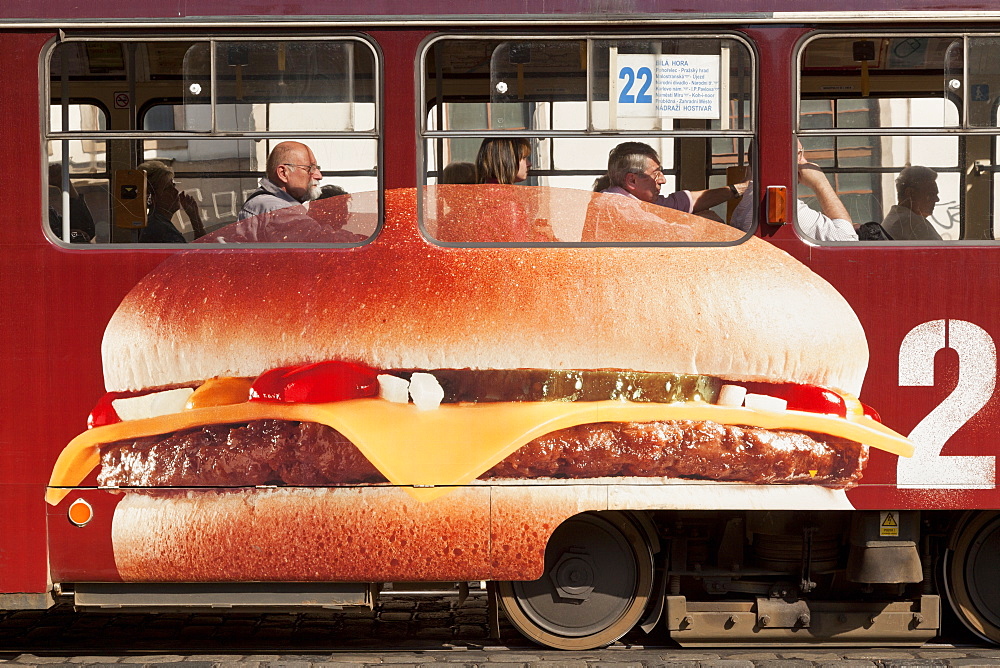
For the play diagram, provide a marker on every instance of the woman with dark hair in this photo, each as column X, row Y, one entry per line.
column 503, row 160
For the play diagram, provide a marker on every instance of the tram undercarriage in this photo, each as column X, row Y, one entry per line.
column 771, row 577
column 710, row 578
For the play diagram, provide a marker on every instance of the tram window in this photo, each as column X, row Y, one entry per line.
column 941, row 91
column 560, row 93
column 158, row 91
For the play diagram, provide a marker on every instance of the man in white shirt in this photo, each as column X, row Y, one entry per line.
column 831, row 222
column 917, row 192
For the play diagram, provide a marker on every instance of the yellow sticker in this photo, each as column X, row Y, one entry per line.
column 888, row 524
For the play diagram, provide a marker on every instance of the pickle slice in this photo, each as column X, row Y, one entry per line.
column 474, row 385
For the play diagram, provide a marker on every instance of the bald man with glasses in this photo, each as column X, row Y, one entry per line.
column 292, row 180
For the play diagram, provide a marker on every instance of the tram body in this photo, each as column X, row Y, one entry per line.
column 386, row 101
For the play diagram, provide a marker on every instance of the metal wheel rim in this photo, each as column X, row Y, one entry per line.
column 600, row 617
column 972, row 579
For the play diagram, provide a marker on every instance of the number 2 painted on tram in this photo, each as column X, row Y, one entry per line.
column 977, row 370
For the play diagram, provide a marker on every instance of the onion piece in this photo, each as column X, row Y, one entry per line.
column 763, row 402
column 426, row 391
column 731, row 395
column 393, row 388
column 151, row 405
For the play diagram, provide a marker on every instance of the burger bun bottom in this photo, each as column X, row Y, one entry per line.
column 380, row 533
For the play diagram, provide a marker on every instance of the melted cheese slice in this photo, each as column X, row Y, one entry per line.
column 455, row 443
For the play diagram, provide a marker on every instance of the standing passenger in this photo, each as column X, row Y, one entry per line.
column 292, row 179
column 832, row 222
column 917, row 193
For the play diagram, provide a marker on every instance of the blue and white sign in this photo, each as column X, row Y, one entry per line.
column 667, row 86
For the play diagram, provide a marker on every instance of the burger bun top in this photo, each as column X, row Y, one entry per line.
column 746, row 311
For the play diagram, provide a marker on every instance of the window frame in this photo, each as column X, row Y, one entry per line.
column 961, row 131
column 140, row 107
column 425, row 136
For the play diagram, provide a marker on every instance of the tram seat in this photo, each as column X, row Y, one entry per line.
column 873, row 232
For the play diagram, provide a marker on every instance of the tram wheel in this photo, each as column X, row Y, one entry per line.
column 972, row 580
column 598, row 579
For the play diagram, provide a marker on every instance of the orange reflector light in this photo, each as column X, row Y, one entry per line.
column 777, row 207
column 80, row 513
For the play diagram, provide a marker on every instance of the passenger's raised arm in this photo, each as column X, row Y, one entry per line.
column 832, row 222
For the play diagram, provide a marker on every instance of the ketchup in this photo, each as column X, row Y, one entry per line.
column 870, row 412
column 806, row 398
column 316, row 383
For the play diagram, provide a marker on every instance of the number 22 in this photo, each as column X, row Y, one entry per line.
column 630, row 76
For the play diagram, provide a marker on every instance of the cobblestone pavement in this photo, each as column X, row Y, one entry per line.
column 454, row 655
column 401, row 633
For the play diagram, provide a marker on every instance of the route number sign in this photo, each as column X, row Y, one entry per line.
column 667, row 86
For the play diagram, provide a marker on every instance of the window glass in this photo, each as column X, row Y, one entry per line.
column 79, row 117
column 507, row 84
column 863, row 69
column 984, row 80
column 131, row 141
column 300, row 85
column 863, row 171
column 563, row 105
column 891, row 123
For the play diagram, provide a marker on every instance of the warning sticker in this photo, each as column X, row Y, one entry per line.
column 888, row 524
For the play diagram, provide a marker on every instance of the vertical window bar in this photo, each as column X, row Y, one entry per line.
column 135, row 146
column 352, row 122
column 965, row 82
column 439, row 110
column 724, row 77
column 612, row 88
column 590, row 83
column 213, row 84
column 64, row 115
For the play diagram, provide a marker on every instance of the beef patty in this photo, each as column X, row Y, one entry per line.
column 278, row 452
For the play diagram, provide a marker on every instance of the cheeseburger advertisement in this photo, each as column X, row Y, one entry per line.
column 412, row 408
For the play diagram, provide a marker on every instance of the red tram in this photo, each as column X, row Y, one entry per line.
column 643, row 417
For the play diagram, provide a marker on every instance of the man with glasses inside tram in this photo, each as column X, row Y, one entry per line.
column 279, row 212
column 634, row 169
column 292, row 180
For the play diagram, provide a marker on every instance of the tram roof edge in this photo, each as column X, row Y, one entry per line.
column 497, row 13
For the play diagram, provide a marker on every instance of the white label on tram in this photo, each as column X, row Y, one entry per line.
column 667, row 86
column 977, row 358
